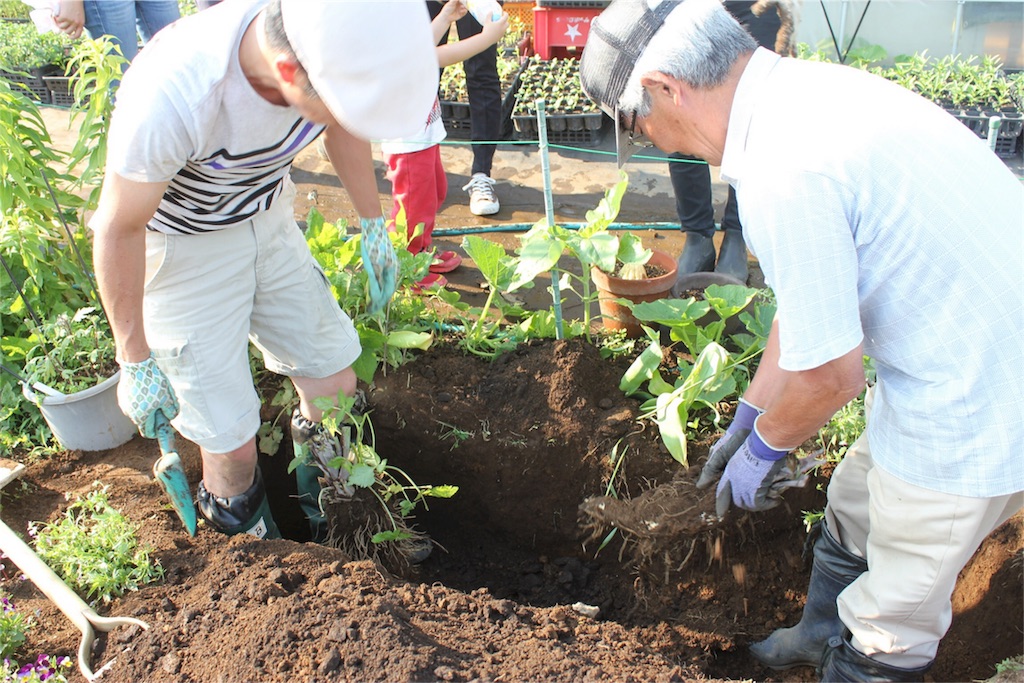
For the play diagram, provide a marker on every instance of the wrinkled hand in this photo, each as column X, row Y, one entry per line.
column 749, row 476
column 723, row 450
column 144, row 391
column 379, row 261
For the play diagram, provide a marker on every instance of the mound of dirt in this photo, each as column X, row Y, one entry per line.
column 517, row 589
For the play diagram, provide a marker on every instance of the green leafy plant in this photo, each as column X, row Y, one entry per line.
column 14, row 9
column 96, row 66
column 842, row 430
column 404, row 325
column 14, row 626
column 42, row 274
column 72, row 353
column 95, row 550
column 23, row 47
column 484, row 335
column 543, row 246
column 715, row 374
column 343, row 478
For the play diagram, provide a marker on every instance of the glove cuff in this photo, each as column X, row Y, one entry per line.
column 745, row 415
column 762, row 449
column 128, row 366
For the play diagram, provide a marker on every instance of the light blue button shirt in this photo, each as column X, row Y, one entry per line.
column 876, row 216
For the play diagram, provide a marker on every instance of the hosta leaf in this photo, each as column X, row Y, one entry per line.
column 728, row 300
column 642, row 369
column 407, row 339
column 671, row 418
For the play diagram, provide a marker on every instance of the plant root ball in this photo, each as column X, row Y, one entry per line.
column 655, row 524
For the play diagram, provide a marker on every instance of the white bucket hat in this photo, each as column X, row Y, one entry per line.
column 374, row 64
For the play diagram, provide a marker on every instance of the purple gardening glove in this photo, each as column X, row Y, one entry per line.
column 749, row 476
column 726, row 447
column 143, row 391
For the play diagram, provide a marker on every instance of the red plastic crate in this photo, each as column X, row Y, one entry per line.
column 561, row 31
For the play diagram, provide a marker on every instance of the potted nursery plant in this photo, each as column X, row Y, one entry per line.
column 602, row 256
column 73, row 377
column 637, row 275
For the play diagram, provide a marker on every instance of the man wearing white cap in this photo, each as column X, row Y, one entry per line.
column 197, row 251
column 879, row 225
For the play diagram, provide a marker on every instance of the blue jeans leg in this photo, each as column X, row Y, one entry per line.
column 124, row 20
column 153, row 15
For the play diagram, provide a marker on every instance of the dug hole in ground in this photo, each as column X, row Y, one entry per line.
column 536, row 430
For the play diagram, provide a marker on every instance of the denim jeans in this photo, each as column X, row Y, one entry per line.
column 125, row 20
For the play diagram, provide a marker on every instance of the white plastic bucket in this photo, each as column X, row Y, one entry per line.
column 88, row 420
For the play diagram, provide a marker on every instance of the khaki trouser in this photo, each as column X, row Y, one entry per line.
column 915, row 542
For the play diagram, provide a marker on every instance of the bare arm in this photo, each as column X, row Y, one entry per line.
column 451, row 11
column 352, row 159
column 797, row 404
column 453, row 53
column 119, row 257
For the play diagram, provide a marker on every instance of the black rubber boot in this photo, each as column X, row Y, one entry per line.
column 732, row 257
column 246, row 513
column 843, row 663
column 698, row 255
column 834, row 569
column 318, row 448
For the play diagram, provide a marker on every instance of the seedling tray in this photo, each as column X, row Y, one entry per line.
column 457, row 118
column 37, row 89
column 569, row 129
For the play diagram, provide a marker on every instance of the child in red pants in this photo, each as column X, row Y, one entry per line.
column 418, row 181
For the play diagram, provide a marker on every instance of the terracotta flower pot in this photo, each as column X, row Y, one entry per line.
column 617, row 316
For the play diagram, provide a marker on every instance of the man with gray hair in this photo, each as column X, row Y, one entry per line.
column 197, row 250
column 878, row 227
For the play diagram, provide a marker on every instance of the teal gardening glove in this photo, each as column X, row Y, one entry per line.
column 379, row 261
column 144, row 391
column 749, row 476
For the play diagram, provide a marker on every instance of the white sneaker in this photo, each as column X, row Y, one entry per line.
column 482, row 200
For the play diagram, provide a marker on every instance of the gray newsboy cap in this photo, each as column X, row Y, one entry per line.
column 618, row 36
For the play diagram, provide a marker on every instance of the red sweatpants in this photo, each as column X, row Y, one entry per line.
column 418, row 184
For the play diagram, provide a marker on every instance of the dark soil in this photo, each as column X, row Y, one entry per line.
column 497, row 602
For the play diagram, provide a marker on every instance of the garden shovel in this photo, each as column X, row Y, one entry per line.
column 169, row 471
column 53, row 587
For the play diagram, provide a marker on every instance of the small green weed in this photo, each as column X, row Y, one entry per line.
column 455, row 434
column 842, row 430
column 14, row 627
column 95, row 550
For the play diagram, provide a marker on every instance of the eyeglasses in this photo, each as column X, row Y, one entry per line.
column 627, row 139
column 637, row 139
